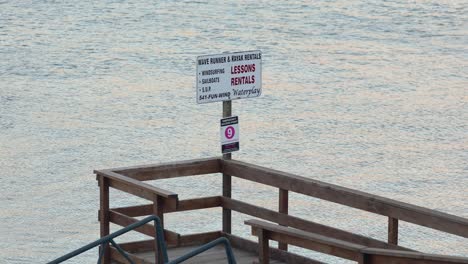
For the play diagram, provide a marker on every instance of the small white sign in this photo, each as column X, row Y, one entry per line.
column 229, row 76
column 229, row 134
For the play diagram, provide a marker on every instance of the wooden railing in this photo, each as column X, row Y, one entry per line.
column 363, row 255
column 131, row 180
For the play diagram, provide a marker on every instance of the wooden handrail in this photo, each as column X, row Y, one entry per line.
column 303, row 239
column 376, row 256
column 306, row 225
column 349, row 197
column 360, row 253
column 129, row 179
column 171, row 169
column 133, row 186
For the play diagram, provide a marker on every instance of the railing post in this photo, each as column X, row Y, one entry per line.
column 104, row 215
column 364, row 259
column 283, row 208
column 393, row 231
column 227, row 180
column 264, row 247
column 158, row 210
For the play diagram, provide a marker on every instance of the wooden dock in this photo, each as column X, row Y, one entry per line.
column 212, row 256
column 269, row 224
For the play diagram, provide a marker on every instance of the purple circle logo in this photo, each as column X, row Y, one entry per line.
column 229, row 132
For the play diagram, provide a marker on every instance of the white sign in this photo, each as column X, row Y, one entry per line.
column 229, row 76
column 229, row 134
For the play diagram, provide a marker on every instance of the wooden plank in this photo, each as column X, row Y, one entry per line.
column 116, row 256
column 171, row 169
column 138, row 246
column 392, row 231
column 215, row 255
column 137, row 210
column 147, row 229
column 378, row 259
column 275, row 254
column 123, row 220
column 292, row 221
column 318, row 246
column 283, row 209
column 183, row 205
column 199, row 203
column 133, row 186
column 104, row 214
column 305, row 239
column 132, row 189
column 198, row 239
column 349, row 197
column 377, row 256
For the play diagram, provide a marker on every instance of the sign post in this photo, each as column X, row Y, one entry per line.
column 225, row 77
column 227, row 179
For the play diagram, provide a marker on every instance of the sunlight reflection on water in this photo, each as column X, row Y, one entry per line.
column 369, row 95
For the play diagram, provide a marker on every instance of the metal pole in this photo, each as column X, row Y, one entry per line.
column 227, row 111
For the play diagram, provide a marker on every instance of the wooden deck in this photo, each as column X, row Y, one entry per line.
column 215, row 255
column 245, row 251
column 286, row 229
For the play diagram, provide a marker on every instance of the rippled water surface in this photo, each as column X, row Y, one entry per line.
column 370, row 95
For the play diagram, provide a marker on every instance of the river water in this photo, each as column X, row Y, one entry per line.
column 370, row 95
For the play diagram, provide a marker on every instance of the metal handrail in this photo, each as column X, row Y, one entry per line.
column 110, row 238
column 161, row 245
